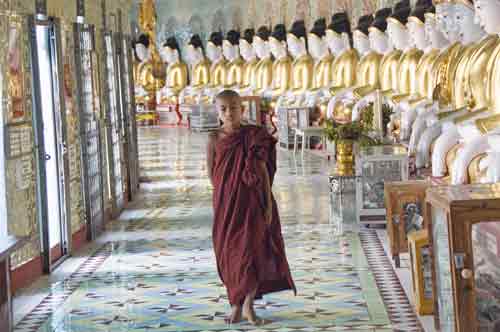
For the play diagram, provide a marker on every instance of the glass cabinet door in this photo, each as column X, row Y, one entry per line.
column 442, row 265
column 486, row 257
column 87, row 87
column 113, row 126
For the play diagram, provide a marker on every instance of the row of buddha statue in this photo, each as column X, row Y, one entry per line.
column 436, row 64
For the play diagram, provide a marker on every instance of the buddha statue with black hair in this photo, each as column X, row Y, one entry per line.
column 250, row 59
column 236, row 64
column 339, row 39
column 219, row 66
column 303, row 64
column 199, row 73
column 264, row 69
column 177, row 72
column 282, row 66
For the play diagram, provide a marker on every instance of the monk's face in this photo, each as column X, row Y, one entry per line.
column 229, row 110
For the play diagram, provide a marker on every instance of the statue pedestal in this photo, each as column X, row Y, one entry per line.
column 343, row 209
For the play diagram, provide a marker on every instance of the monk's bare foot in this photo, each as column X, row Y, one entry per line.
column 250, row 315
column 235, row 316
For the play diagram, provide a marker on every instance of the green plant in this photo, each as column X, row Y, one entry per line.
column 355, row 130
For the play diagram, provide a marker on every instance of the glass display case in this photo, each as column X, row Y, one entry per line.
column 90, row 112
column 114, row 142
column 251, row 110
column 404, row 203
column 464, row 231
column 290, row 118
column 203, row 117
column 421, row 271
column 376, row 165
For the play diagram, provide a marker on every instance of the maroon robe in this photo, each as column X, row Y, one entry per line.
column 249, row 252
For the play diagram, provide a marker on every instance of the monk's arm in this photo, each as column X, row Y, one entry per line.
column 267, row 183
column 210, row 156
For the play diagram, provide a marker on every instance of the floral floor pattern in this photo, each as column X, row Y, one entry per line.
column 156, row 271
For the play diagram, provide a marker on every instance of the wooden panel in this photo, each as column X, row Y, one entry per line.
column 5, row 313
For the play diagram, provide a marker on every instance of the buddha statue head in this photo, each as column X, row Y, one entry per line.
column 379, row 40
column 194, row 50
column 170, row 52
column 469, row 28
column 361, row 40
column 446, row 20
column 246, row 45
column 316, row 40
column 338, row 33
column 416, row 24
column 488, row 15
column 214, row 47
column 296, row 39
column 434, row 36
column 230, row 45
column 261, row 44
column 396, row 26
column 277, row 41
column 142, row 48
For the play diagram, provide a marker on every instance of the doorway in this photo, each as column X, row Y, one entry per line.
column 50, row 133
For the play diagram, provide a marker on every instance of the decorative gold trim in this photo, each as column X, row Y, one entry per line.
column 415, row 19
column 430, row 15
column 485, row 125
column 469, row 115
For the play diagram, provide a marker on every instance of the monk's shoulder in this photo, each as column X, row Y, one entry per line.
column 213, row 137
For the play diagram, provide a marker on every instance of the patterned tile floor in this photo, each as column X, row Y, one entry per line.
column 154, row 269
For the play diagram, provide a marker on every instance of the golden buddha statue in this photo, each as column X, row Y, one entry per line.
column 235, row 64
column 250, row 61
column 344, row 67
column 200, row 71
column 367, row 78
column 177, row 72
column 264, row 69
column 318, row 48
column 218, row 69
column 282, row 66
column 302, row 66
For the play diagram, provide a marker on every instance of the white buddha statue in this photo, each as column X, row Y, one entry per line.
column 199, row 72
column 143, row 55
column 302, row 66
column 247, row 50
column 218, row 67
column 380, row 45
column 176, row 73
column 456, row 20
column 264, row 67
column 282, row 65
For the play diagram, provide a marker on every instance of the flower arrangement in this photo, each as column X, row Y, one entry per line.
column 352, row 131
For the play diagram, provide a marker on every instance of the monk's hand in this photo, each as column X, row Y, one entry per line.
column 269, row 215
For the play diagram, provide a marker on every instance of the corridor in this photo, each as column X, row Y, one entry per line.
column 154, row 268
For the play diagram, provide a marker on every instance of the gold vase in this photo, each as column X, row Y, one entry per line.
column 345, row 157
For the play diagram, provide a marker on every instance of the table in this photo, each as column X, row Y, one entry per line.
column 305, row 134
column 7, row 246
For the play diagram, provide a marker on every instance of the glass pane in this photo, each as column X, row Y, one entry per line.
column 443, row 270
column 3, row 197
column 486, row 253
column 49, row 136
column 375, row 173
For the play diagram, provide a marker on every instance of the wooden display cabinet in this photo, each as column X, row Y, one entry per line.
column 421, row 271
column 464, row 230
column 404, row 203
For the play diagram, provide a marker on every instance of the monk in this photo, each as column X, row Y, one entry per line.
column 247, row 239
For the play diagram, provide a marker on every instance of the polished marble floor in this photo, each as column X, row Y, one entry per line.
column 154, row 269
